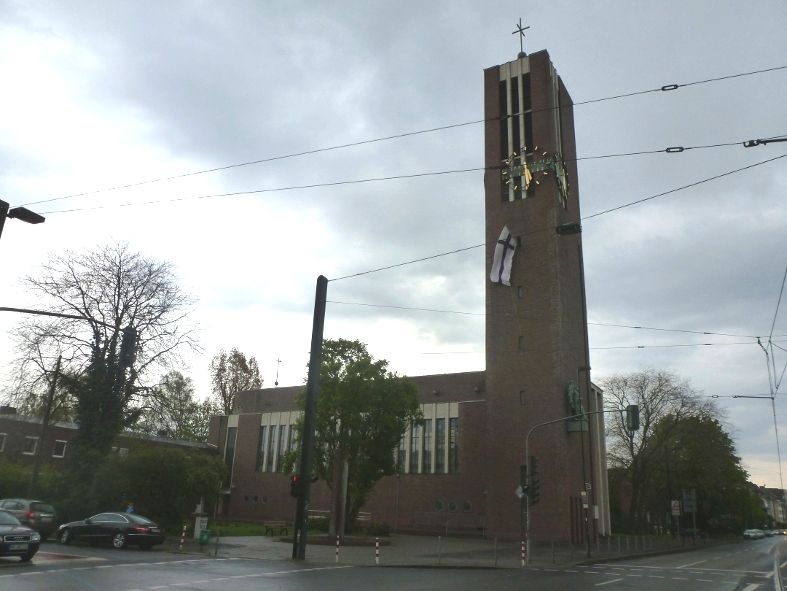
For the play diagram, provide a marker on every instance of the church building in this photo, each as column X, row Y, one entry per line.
column 461, row 469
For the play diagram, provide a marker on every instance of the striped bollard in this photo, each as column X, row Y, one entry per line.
column 523, row 553
column 337, row 549
column 377, row 551
column 182, row 537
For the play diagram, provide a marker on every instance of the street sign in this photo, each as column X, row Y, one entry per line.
column 584, row 496
column 675, row 505
column 690, row 501
column 519, row 492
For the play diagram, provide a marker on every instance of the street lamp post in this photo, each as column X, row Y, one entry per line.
column 19, row 213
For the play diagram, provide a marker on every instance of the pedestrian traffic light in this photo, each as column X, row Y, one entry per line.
column 632, row 417
column 534, row 482
column 295, row 485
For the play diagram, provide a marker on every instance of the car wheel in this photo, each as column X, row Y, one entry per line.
column 119, row 540
column 65, row 537
column 27, row 557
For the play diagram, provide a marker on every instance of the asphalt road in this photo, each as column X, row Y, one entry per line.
column 745, row 566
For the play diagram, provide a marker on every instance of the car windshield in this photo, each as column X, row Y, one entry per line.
column 139, row 519
column 7, row 519
column 42, row 507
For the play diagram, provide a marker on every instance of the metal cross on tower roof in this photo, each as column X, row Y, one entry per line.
column 521, row 32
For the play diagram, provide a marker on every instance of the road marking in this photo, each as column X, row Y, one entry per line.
column 691, row 564
column 783, row 564
column 608, row 582
column 656, row 577
column 751, row 587
column 680, row 578
column 705, row 580
column 769, row 575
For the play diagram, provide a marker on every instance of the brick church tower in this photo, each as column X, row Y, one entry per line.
column 536, row 338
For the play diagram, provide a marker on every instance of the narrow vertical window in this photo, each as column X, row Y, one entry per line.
column 258, row 465
column 270, row 448
column 282, row 447
column 229, row 454
column 439, row 437
column 415, row 446
column 453, row 446
column 426, row 463
column 2, row 441
column 401, row 456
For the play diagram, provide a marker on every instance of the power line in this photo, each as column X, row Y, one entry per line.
column 270, row 190
column 713, row 178
column 550, row 228
column 778, row 303
column 605, row 324
column 667, row 87
column 669, row 150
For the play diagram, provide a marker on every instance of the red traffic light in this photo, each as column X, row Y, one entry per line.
column 295, row 485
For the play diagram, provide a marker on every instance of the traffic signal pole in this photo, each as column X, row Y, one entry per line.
column 307, row 443
column 631, row 410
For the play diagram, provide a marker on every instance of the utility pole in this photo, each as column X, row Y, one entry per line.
column 48, row 403
column 307, row 444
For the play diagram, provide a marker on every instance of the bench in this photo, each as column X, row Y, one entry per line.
column 272, row 527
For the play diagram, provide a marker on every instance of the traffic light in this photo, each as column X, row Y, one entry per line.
column 534, row 482
column 632, row 417
column 295, row 485
column 128, row 347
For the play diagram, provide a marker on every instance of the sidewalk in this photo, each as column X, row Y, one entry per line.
column 436, row 551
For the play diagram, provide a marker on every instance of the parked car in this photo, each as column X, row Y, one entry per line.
column 17, row 539
column 121, row 529
column 38, row 515
column 690, row 532
column 753, row 534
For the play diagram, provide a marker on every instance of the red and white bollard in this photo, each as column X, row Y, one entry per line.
column 377, row 551
column 523, row 553
column 337, row 549
column 182, row 537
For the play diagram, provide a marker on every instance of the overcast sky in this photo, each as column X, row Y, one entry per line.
column 97, row 94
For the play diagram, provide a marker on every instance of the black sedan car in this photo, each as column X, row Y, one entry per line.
column 17, row 539
column 122, row 529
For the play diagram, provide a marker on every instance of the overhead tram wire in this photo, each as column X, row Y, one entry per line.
column 553, row 228
column 605, row 324
column 673, row 149
column 664, row 88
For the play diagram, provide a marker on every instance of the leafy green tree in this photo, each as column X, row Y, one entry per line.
column 659, row 395
column 164, row 484
column 362, row 411
column 699, row 454
column 231, row 374
column 172, row 409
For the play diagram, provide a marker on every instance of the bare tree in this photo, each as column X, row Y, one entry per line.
column 111, row 288
column 659, row 395
column 231, row 374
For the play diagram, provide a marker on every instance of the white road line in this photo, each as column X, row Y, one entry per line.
column 592, row 572
column 680, row 578
column 783, row 564
column 608, row 582
column 704, row 580
column 656, row 577
column 691, row 564
column 751, row 587
column 769, row 575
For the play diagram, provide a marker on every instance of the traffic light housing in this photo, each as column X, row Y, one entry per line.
column 632, row 417
column 128, row 347
column 295, row 485
column 534, row 481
